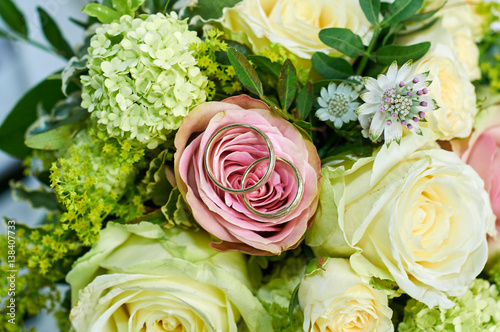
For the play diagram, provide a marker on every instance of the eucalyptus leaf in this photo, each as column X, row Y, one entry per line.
column 103, row 13
column 54, row 139
column 13, row 17
column 401, row 54
column 54, row 35
column 305, row 100
column 343, row 40
column 13, row 129
column 209, row 9
column 266, row 65
column 287, row 85
column 371, row 8
column 42, row 197
column 331, row 67
column 245, row 72
column 401, row 10
column 74, row 68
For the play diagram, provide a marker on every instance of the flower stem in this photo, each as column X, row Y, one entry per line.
column 365, row 58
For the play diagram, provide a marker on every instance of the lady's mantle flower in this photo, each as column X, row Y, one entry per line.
column 143, row 78
column 393, row 101
column 337, row 104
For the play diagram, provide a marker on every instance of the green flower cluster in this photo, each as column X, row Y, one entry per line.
column 92, row 177
column 488, row 47
column 220, row 76
column 143, row 78
column 478, row 310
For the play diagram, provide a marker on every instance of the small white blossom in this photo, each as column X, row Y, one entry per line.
column 337, row 104
column 396, row 99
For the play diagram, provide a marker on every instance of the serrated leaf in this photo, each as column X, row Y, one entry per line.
column 51, row 140
column 401, row 10
column 42, row 197
column 54, row 35
column 401, row 54
column 245, row 72
column 371, row 8
column 287, row 85
column 331, row 67
column 122, row 7
column 103, row 13
column 13, row 17
column 343, row 40
column 209, row 9
column 14, row 127
column 266, row 65
column 305, row 100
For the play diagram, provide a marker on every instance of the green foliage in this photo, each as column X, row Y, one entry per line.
column 91, row 177
column 54, row 35
column 209, row 9
column 177, row 212
column 331, row 67
column 220, row 75
column 287, row 85
column 13, row 129
column 387, row 54
column 489, row 59
column 13, row 17
column 245, row 72
column 401, row 10
column 38, row 198
column 53, row 139
column 371, row 9
column 103, row 13
column 305, row 100
column 343, row 40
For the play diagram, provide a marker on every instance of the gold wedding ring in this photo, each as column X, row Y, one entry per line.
column 270, row 169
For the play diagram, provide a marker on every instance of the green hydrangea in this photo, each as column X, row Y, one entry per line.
column 143, row 78
column 478, row 310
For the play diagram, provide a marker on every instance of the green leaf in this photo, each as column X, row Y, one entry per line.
column 371, row 8
column 54, row 35
column 123, row 7
column 401, row 54
column 12, row 131
column 42, row 197
column 51, row 140
column 74, row 68
column 401, row 10
column 135, row 4
column 157, row 185
column 209, row 9
column 13, row 17
column 424, row 16
column 266, row 65
column 344, row 40
column 287, row 85
column 177, row 211
column 245, row 72
column 330, row 67
column 305, row 100
column 294, row 303
column 102, row 13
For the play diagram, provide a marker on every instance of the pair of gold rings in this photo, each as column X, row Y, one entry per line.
column 270, row 169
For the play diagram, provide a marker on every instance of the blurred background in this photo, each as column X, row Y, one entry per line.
column 22, row 66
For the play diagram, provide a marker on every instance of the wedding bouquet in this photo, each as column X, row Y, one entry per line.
column 260, row 165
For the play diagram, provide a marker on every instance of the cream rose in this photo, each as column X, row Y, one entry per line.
column 416, row 215
column 452, row 91
column 294, row 24
column 335, row 298
column 142, row 277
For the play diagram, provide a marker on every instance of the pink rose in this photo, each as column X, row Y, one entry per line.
column 482, row 152
column 225, row 215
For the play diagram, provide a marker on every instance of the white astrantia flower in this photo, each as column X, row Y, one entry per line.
column 337, row 104
column 396, row 99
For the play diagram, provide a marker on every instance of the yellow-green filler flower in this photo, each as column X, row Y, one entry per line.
column 143, row 78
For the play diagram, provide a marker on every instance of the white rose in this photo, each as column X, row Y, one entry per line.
column 294, row 24
column 419, row 217
column 335, row 298
column 453, row 92
column 142, row 277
